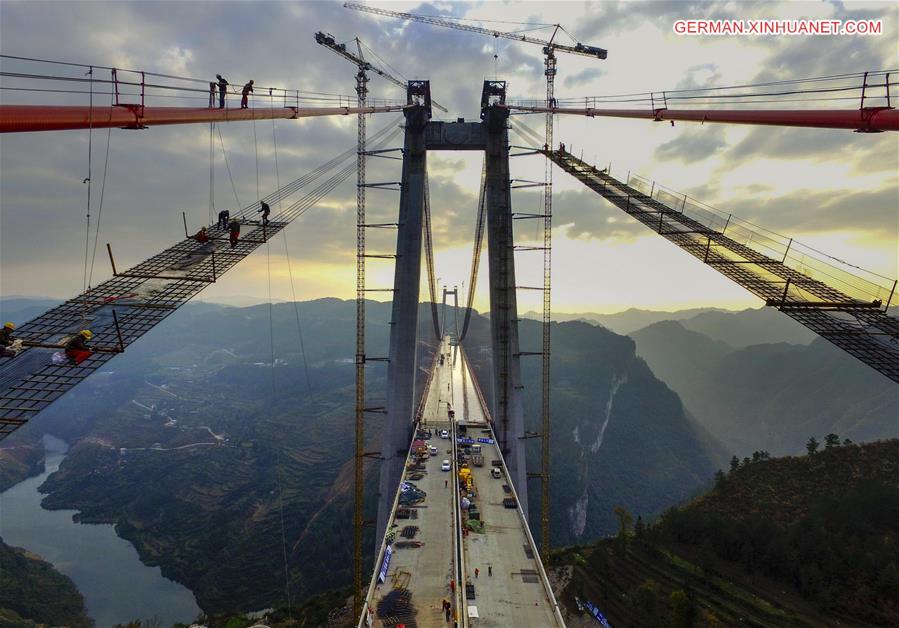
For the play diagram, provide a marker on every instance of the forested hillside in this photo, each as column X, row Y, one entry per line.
column 803, row 541
column 33, row 593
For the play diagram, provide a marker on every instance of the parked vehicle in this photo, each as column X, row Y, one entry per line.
column 444, row 434
column 445, row 465
column 477, row 460
column 496, row 473
column 432, row 450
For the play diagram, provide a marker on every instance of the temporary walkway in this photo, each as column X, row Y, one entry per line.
column 118, row 312
column 491, row 575
column 841, row 306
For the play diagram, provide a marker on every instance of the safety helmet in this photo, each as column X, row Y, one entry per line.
column 203, row 229
column 9, row 325
column 87, row 334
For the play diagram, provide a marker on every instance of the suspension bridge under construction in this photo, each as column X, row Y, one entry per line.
column 453, row 539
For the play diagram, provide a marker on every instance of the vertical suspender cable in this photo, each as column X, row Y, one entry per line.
column 228, row 166
column 268, row 255
column 476, row 254
column 256, row 152
column 429, row 259
column 90, row 274
column 90, row 144
column 211, row 171
column 293, row 293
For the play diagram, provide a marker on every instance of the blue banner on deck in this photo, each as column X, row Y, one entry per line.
column 597, row 615
column 486, row 441
column 382, row 575
column 465, row 441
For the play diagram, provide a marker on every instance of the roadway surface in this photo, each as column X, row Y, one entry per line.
column 510, row 587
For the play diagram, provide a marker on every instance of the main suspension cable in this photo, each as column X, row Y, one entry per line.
column 476, row 253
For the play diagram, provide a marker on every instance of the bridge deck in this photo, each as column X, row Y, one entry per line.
column 410, row 583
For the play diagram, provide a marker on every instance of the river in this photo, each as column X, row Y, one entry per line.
column 116, row 586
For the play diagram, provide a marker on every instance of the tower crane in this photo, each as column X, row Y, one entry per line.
column 550, row 47
column 362, row 79
column 328, row 41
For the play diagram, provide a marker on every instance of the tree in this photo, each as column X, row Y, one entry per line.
column 734, row 464
column 625, row 519
column 847, row 442
column 831, row 441
column 719, row 478
column 683, row 610
column 640, row 527
column 812, row 446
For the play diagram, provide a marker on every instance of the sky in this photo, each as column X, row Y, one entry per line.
column 834, row 190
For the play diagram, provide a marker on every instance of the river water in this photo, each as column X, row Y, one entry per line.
column 116, row 586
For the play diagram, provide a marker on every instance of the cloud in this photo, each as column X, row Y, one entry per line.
column 584, row 214
column 582, row 77
column 815, row 211
column 693, row 144
column 156, row 174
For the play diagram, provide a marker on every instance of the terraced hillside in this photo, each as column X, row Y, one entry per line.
column 801, row 541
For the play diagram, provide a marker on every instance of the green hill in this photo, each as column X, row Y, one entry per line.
column 33, row 593
column 799, row 541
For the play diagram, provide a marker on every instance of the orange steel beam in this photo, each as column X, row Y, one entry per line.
column 23, row 118
column 868, row 120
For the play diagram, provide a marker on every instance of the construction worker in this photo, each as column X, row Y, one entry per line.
column 234, row 229
column 211, row 95
column 6, row 341
column 224, row 215
column 202, row 236
column 266, row 210
column 245, row 94
column 223, row 89
column 77, row 349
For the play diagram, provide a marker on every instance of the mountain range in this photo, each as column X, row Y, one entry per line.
column 229, row 440
column 737, row 328
column 233, row 439
column 770, row 397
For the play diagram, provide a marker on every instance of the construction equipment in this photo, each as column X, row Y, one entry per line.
column 578, row 48
column 327, row 40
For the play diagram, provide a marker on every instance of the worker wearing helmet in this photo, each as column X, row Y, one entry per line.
column 77, row 349
column 6, row 340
